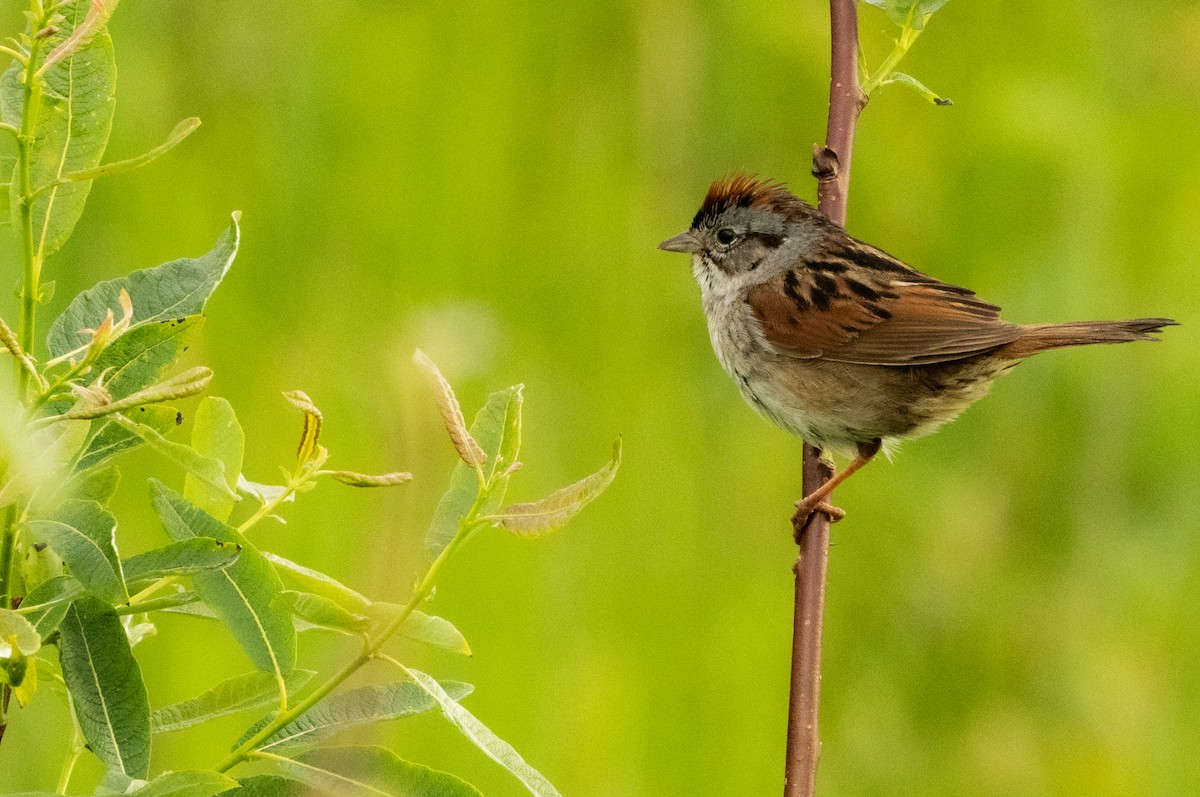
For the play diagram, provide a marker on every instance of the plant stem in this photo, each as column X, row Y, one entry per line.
column 370, row 649
column 68, row 767
column 831, row 167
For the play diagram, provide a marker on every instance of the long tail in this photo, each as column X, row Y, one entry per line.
column 1043, row 337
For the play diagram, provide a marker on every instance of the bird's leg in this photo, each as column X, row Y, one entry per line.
column 815, row 501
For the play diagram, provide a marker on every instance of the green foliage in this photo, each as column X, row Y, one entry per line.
column 70, row 603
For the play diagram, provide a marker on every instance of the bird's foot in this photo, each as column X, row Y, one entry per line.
column 814, row 503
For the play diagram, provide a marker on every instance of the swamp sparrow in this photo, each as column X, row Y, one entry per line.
column 841, row 343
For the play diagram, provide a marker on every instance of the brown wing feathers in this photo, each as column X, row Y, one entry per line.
column 877, row 311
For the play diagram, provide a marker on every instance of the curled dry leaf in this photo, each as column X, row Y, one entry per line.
column 312, row 423
column 467, row 447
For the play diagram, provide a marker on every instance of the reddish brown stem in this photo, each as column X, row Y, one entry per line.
column 831, row 167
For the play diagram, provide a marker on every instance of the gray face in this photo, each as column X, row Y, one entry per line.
column 739, row 240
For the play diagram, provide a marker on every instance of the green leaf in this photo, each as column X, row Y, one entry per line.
column 142, row 355
column 323, row 612
column 46, row 604
column 97, row 484
column 247, row 595
column 552, row 512
column 314, row 581
column 427, row 628
column 497, row 430
column 182, row 130
column 917, row 86
column 106, row 686
column 352, row 708
column 496, row 748
column 173, row 290
column 109, row 438
column 209, row 471
column 241, row 693
column 216, row 434
column 83, row 533
column 372, row 772
column 182, row 558
column 17, row 635
column 74, row 119
column 270, row 786
column 913, row 12
column 186, row 783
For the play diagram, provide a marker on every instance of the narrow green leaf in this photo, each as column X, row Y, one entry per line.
column 314, row 581
column 46, row 604
column 209, row 471
column 181, row 131
column 903, row 79
column 217, row 434
column 186, row 783
column 497, row 429
column 106, row 686
column 271, row 786
column 247, row 595
column 552, row 512
column 241, row 693
column 173, row 290
column 181, row 558
column 352, row 708
column 427, row 628
column 323, row 612
column 74, row 119
column 83, row 533
column 496, row 748
column 107, row 438
column 373, row 772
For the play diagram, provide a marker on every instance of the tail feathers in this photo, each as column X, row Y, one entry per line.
column 1043, row 337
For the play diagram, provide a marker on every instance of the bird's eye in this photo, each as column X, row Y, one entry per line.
column 725, row 236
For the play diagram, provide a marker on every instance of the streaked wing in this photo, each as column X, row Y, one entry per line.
column 860, row 305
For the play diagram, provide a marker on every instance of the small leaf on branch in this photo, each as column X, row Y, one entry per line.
column 181, row 558
column 917, row 86
column 352, row 708
column 182, row 130
column 372, row 772
column 241, row 693
column 912, row 13
column 94, row 22
column 47, row 603
column 364, row 480
column 323, row 612
column 188, row 383
column 553, row 511
column 464, row 443
column 17, row 635
column 496, row 748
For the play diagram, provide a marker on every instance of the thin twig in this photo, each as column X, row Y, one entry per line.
column 831, row 167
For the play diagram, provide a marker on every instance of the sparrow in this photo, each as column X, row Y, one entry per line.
column 842, row 344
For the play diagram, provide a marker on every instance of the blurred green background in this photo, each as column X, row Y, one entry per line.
column 1012, row 604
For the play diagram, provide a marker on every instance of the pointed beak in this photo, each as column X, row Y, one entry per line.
column 684, row 242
